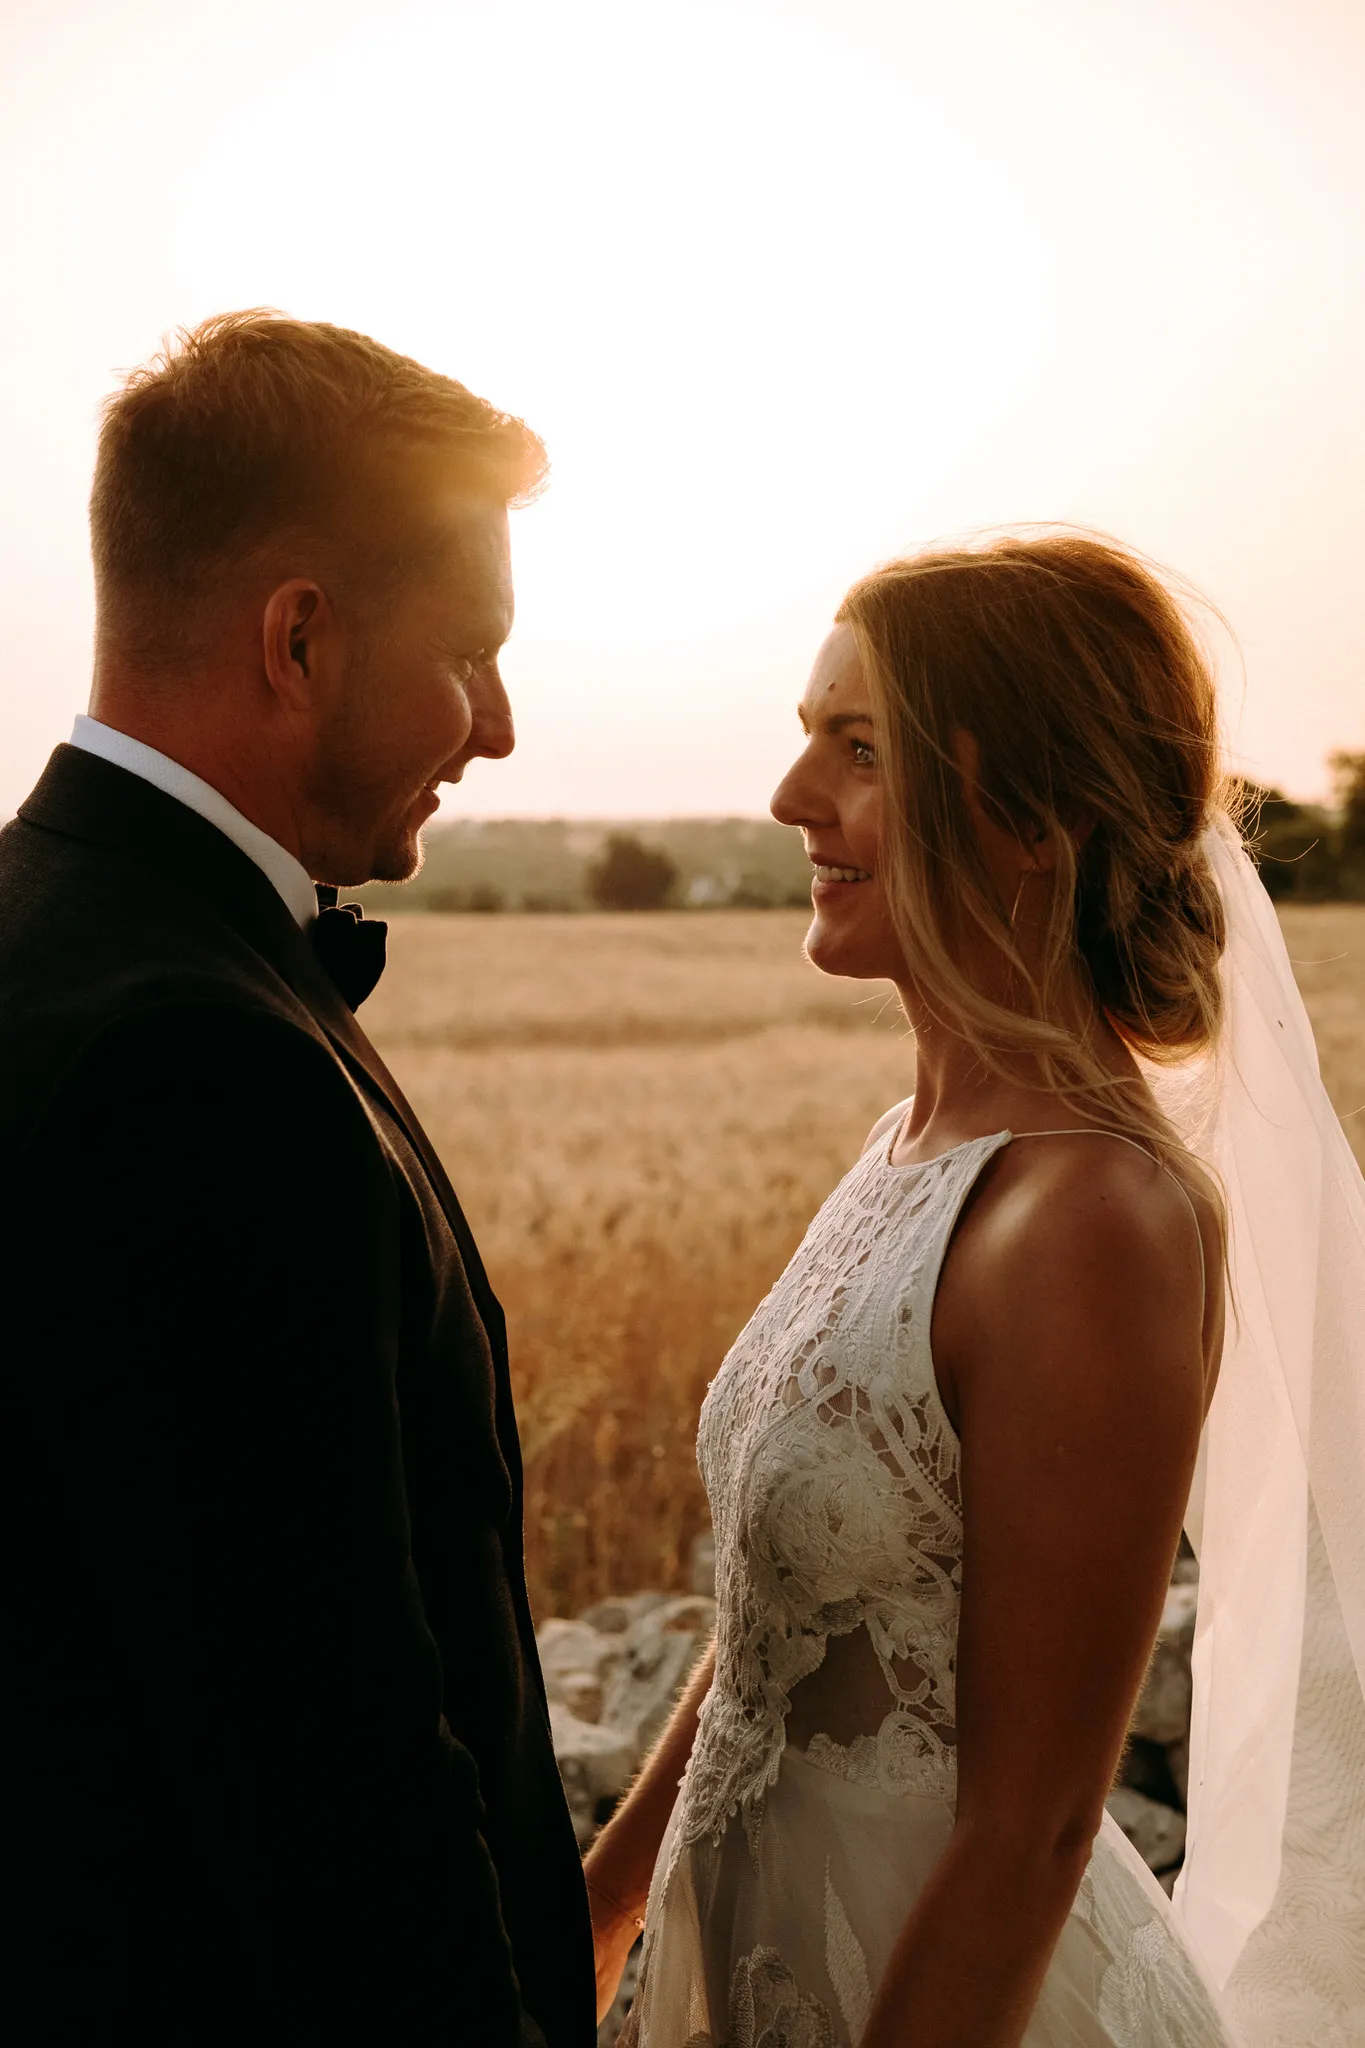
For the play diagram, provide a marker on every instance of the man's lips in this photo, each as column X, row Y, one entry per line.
column 451, row 772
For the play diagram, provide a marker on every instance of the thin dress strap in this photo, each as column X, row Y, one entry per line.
column 1081, row 1132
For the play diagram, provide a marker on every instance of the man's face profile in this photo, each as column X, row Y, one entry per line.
column 420, row 695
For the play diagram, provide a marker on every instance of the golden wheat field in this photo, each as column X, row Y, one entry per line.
column 641, row 1113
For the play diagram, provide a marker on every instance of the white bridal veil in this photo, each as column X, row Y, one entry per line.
column 1272, row 1894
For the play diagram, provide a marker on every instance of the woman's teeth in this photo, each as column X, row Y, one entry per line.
column 823, row 874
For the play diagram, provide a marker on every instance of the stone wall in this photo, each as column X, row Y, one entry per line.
column 614, row 1673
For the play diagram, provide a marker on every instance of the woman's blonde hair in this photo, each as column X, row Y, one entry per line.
column 1078, row 675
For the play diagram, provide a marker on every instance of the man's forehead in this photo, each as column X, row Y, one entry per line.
column 473, row 527
column 472, row 551
column 429, row 491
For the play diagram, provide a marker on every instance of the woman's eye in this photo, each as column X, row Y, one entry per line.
column 864, row 754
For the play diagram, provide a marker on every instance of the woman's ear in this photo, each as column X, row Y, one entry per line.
column 1012, row 850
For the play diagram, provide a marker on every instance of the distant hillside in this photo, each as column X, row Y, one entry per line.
column 1308, row 853
column 540, row 864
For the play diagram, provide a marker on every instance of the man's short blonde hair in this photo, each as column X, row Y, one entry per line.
column 254, row 442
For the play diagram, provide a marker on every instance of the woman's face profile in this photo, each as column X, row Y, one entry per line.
column 833, row 794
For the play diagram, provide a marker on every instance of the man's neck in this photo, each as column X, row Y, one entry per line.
column 209, row 750
column 151, row 764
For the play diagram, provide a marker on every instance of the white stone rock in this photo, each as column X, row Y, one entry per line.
column 1162, row 1713
column 614, row 1617
column 579, row 1691
column 573, row 1646
column 595, row 1763
column 659, row 1651
column 1177, row 1616
column 575, row 1659
column 1157, row 1832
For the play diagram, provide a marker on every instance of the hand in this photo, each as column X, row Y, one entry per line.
column 615, row 1931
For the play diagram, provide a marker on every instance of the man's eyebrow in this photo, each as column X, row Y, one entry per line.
column 486, row 637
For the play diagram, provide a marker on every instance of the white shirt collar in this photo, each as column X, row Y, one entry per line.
column 289, row 876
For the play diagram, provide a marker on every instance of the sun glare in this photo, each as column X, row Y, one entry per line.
column 785, row 291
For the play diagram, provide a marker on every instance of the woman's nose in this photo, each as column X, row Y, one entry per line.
column 797, row 799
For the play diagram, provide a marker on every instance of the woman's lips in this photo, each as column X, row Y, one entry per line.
column 832, row 883
column 833, row 886
column 827, row 873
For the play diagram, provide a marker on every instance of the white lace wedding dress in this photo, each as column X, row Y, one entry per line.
column 821, row 1785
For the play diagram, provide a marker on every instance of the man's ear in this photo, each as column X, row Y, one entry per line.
column 296, row 627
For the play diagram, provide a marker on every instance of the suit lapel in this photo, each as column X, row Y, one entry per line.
column 208, row 880
column 91, row 799
column 315, row 988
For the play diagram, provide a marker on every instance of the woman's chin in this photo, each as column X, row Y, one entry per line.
column 856, row 955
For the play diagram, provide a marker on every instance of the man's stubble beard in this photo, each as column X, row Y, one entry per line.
column 368, row 845
column 398, row 860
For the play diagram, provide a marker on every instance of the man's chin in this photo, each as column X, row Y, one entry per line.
column 396, row 857
column 397, row 860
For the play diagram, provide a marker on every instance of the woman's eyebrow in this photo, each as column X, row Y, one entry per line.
column 840, row 722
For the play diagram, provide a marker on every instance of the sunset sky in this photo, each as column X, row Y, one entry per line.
column 786, row 287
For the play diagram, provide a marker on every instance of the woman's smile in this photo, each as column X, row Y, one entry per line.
column 829, row 879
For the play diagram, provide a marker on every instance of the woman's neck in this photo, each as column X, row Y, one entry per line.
column 958, row 1097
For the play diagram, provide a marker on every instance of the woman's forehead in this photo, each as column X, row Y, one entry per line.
column 837, row 684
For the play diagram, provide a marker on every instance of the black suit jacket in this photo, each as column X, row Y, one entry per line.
column 276, row 1755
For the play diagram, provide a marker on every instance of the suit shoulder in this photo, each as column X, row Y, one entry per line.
column 220, row 1034
column 185, row 1092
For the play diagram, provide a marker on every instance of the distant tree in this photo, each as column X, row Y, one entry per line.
column 481, row 896
column 1348, row 772
column 1297, row 846
column 548, row 902
column 630, row 876
column 756, row 892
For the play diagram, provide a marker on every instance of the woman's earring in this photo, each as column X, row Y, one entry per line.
column 1014, row 912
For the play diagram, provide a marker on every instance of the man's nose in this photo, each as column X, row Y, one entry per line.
column 493, row 734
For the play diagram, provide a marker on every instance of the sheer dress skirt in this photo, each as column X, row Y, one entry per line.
column 777, row 1936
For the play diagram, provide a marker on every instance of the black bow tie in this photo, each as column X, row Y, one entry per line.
column 349, row 947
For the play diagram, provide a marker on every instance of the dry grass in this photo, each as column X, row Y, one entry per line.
column 641, row 1115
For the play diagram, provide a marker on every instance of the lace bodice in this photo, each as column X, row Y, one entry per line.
column 833, row 1476
column 830, row 1728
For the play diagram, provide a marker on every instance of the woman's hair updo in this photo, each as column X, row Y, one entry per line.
column 1075, row 670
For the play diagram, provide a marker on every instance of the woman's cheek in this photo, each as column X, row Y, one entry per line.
column 869, row 829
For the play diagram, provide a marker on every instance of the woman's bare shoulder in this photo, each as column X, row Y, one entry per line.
column 1088, row 1201
column 887, row 1123
column 1072, row 1240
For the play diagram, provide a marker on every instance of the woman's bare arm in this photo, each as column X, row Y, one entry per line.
column 1070, row 1318
column 621, row 1861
